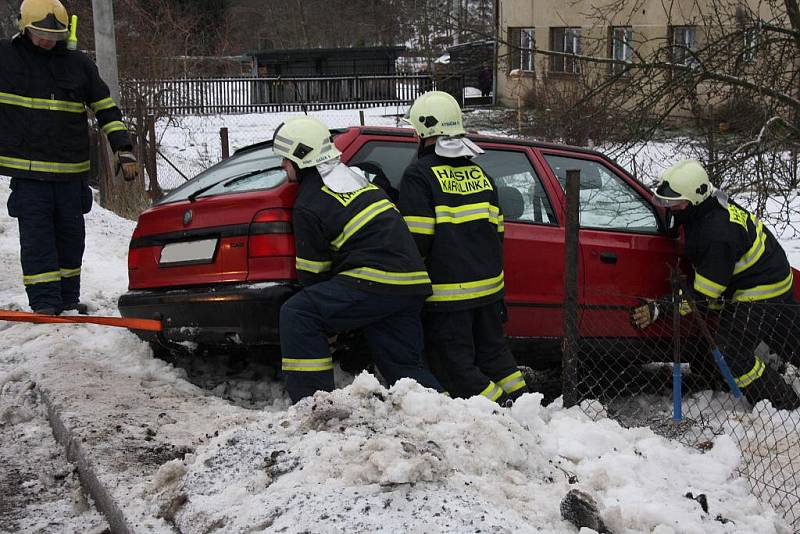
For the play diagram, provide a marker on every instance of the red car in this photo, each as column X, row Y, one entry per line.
column 214, row 259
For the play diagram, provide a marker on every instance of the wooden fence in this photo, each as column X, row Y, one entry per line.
column 252, row 95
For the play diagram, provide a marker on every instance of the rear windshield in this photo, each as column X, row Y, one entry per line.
column 238, row 165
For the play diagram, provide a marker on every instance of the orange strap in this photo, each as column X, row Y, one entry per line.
column 152, row 325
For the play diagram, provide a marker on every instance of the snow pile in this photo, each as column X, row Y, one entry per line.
column 367, row 459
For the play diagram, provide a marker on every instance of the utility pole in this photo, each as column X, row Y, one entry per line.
column 105, row 44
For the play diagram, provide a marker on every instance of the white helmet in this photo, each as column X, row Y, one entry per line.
column 436, row 113
column 305, row 141
column 686, row 180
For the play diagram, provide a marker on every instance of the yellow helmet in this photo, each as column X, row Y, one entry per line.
column 46, row 18
column 686, row 180
column 304, row 140
column 436, row 113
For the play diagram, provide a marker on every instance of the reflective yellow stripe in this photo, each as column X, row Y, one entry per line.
column 492, row 391
column 359, row 220
column 420, row 225
column 114, row 126
column 41, row 278
column 100, row 105
column 468, row 213
column 501, row 227
column 707, row 287
column 302, row 264
column 69, row 273
column 41, row 103
column 752, row 375
column 512, row 382
column 43, row 166
column 684, row 308
column 307, row 364
column 466, row 290
column 766, row 291
column 756, row 251
column 386, row 277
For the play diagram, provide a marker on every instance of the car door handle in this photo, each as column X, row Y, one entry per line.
column 608, row 257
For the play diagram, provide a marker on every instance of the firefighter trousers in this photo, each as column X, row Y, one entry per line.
column 743, row 326
column 51, row 236
column 468, row 352
column 391, row 324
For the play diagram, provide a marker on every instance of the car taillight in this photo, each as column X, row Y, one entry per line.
column 271, row 234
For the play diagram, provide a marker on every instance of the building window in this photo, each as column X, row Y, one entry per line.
column 684, row 43
column 750, row 44
column 521, row 48
column 567, row 40
column 621, row 48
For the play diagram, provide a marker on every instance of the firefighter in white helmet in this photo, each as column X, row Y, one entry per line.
column 451, row 207
column 740, row 271
column 45, row 90
column 357, row 263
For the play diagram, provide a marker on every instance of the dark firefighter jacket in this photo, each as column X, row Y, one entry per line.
column 451, row 208
column 733, row 254
column 358, row 237
column 43, row 123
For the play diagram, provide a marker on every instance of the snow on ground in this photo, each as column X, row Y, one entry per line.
column 39, row 489
column 360, row 459
column 364, row 459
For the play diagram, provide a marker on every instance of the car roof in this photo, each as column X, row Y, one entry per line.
column 409, row 132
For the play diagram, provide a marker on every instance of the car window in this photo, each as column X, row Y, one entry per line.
column 521, row 194
column 520, row 191
column 391, row 158
column 237, row 165
column 606, row 200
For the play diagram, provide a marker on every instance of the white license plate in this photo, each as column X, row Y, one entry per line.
column 201, row 251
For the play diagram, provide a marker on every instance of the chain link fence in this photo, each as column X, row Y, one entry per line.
column 637, row 379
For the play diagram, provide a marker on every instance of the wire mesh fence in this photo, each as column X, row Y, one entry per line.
column 636, row 375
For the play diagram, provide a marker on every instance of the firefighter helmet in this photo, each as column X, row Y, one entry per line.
column 436, row 113
column 686, row 180
column 305, row 141
column 45, row 18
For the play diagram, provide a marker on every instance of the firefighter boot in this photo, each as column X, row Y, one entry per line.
column 80, row 307
column 772, row 387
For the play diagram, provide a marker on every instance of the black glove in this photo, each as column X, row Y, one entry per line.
column 126, row 162
column 645, row 315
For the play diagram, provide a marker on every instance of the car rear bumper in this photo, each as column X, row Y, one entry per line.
column 239, row 313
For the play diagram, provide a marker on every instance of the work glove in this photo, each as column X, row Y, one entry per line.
column 645, row 315
column 126, row 162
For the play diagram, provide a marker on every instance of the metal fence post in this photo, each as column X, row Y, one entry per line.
column 569, row 369
column 677, row 379
column 223, row 138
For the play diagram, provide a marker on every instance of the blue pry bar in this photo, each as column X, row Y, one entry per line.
column 726, row 372
column 677, row 414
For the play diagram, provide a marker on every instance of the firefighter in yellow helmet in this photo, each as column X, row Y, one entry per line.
column 45, row 90
column 357, row 263
column 740, row 272
column 451, row 207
